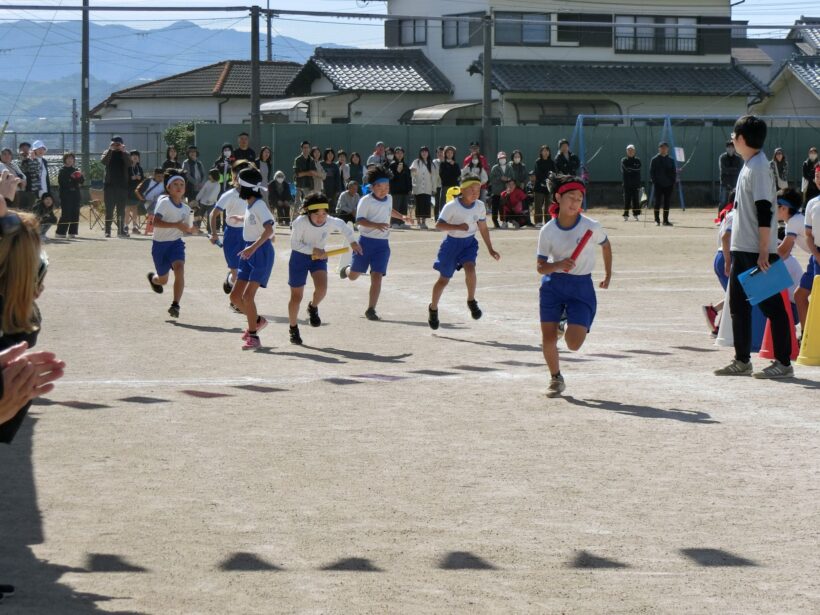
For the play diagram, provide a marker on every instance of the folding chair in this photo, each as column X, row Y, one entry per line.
column 96, row 215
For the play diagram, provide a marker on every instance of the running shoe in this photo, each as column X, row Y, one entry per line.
column 475, row 311
column 370, row 314
column 556, row 386
column 227, row 287
column 155, row 287
column 344, row 271
column 313, row 315
column 710, row 313
column 735, row 368
column 174, row 310
column 295, row 338
column 432, row 318
column 252, row 342
column 775, row 370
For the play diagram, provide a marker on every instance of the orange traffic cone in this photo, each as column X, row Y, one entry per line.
column 767, row 349
column 810, row 350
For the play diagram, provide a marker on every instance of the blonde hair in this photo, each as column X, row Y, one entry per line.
column 19, row 261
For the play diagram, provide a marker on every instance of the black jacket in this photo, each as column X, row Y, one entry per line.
column 568, row 166
column 450, row 174
column 631, row 171
column 663, row 171
column 543, row 168
column 402, row 182
column 729, row 169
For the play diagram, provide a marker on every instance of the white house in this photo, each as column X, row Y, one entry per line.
column 217, row 93
column 544, row 72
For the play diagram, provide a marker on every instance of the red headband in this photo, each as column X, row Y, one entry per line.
column 570, row 186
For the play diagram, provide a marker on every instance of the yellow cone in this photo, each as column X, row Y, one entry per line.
column 810, row 347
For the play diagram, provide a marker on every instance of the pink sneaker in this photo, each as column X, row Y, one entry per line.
column 251, row 343
column 710, row 313
column 260, row 324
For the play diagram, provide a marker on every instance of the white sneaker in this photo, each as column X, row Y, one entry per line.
column 556, row 386
column 735, row 368
column 775, row 370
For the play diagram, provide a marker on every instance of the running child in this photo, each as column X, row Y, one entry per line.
column 172, row 219
column 812, row 224
column 256, row 259
column 373, row 216
column 207, row 197
column 722, row 263
column 234, row 207
column 567, row 286
column 789, row 202
column 307, row 241
column 461, row 218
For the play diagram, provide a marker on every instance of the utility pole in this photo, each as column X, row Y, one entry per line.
column 256, row 126
column 487, row 130
column 74, row 119
column 270, row 38
column 85, row 98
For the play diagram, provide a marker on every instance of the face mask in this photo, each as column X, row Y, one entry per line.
column 475, row 160
column 390, row 156
column 501, row 161
column 812, row 156
column 226, row 153
column 280, row 180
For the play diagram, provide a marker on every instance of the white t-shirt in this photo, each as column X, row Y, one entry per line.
column 456, row 213
column 556, row 243
column 379, row 212
column 232, row 205
column 168, row 212
column 257, row 216
column 725, row 228
column 796, row 227
column 305, row 236
column 755, row 183
column 812, row 220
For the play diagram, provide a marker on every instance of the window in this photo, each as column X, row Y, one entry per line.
column 462, row 32
column 641, row 35
column 412, row 32
column 522, row 28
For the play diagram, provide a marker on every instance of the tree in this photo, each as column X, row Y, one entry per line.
column 180, row 135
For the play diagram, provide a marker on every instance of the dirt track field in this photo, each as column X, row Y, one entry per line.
column 384, row 468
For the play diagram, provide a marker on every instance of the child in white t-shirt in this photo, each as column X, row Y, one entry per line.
column 308, row 239
column 256, row 259
column 566, row 287
column 461, row 219
column 172, row 219
column 789, row 202
column 722, row 264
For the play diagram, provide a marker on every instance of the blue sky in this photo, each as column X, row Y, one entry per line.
column 347, row 32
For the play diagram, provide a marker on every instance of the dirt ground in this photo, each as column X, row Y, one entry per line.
column 385, row 468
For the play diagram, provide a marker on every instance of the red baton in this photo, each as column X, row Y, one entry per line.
column 581, row 244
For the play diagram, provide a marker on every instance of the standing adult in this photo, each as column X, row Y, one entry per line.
column 729, row 165
column 631, row 176
column 424, row 185
column 518, row 170
column 475, row 152
column 303, row 173
column 244, row 151
column 171, row 158
column 449, row 175
column 401, row 185
column 35, row 169
column 810, row 189
column 332, row 184
column 663, row 173
column 474, row 166
column 318, row 169
column 780, row 168
column 355, row 169
column 224, row 164
column 567, row 163
column 378, row 157
column 500, row 174
column 8, row 163
column 116, row 161
column 544, row 167
column 69, row 180
column 194, row 173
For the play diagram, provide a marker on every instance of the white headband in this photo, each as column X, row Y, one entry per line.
column 256, row 187
column 173, row 178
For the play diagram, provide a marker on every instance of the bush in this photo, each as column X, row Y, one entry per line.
column 180, row 136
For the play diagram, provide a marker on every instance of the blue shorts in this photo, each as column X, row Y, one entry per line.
column 232, row 245
column 376, row 255
column 813, row 269
column 573, row 293
column 166, row 253
column 720, row 272
column 454, row 253
column 258, row 267
column 299, row 267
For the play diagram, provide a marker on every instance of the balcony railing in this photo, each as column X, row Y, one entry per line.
column 651, row 44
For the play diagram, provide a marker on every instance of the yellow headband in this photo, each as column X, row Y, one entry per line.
column 469, row 182
column 316, row 206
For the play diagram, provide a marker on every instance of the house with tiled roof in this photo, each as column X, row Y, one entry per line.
column 217, row 93
column 546, row 68
column 795, row 82
column 362, row 86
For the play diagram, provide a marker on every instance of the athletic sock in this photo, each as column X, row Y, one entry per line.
column 174, row 304
column 556, row 375
column 252, row 333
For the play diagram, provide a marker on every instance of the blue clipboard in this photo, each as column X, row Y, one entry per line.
column 760, row 285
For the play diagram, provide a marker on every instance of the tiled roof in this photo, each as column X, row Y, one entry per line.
column 751, row 55
column 622, row 78
column 372, row 70
column 809, row 35
column 227, row 78
column 807, row 70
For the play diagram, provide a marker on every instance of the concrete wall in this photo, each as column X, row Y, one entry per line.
column 173, row 110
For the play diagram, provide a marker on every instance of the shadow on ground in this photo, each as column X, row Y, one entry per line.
column 646, row 412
